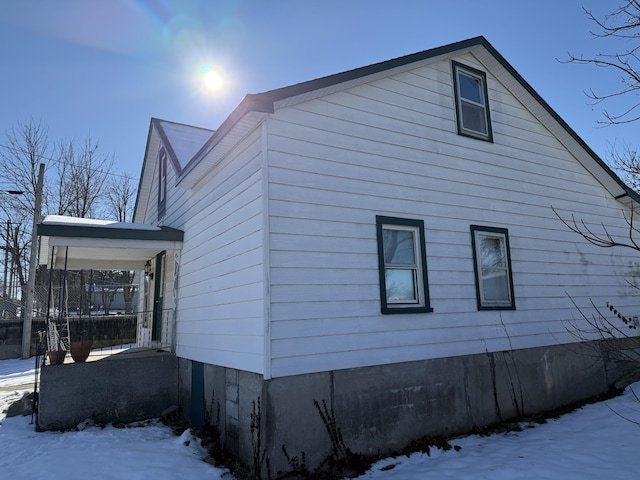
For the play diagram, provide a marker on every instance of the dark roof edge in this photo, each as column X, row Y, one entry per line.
column 167, row 146
column 144, row 165
column 323, row 82
column 628, row 190
column 82, row 231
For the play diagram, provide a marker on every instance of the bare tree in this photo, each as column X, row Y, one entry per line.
column 599, row 325
column 89, row 174
column 120, row 195
column 604, row 238
column 626, row 161
column 621, row 24
column 75, row 183
column 26, row 147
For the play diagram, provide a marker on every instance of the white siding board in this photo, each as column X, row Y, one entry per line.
column 221, row 288
column 456, row 163
column 199, row 310
column 222, row 343
column 248, row 361
column 440, row 180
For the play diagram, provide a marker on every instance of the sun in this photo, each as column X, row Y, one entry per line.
column 211, row 79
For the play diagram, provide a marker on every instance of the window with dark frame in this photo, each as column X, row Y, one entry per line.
column 492, row 263
column 402, row 263
column 472, row 104
column 162, row 182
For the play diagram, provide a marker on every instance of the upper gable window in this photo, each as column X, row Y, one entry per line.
column 472, row 102
column 162, row 183
column 402, row 265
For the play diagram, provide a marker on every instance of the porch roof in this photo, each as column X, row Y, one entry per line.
column 102, row 244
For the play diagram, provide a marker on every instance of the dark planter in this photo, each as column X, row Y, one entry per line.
column 80, row 350
column 57, row 357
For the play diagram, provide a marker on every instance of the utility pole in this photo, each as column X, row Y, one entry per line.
column 5, row 302
column 33, row 260
column 6, row 261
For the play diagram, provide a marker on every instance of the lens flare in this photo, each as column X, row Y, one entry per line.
column 211, row 79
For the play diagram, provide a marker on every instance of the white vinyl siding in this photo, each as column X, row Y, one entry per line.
column 391, row 148
column 220, row 319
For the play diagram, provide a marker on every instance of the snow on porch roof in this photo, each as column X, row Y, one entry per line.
column 86, row 243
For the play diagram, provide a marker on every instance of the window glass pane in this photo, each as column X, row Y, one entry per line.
column 400, row 285
column 473, row 118
column 495, row 285
column 470, row 88
column 492, row 253
column 398, row 247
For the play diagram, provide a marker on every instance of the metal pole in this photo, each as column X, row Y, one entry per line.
column 5, row 300
column 33, row 260
column 6, row 262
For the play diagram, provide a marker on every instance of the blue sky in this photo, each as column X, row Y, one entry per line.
column 104, row 67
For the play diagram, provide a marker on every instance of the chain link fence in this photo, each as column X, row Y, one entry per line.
column 88, row 305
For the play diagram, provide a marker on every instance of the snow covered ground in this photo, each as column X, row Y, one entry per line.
column 597, row 441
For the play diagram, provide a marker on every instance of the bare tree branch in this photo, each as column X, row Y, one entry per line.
column 604, row 239
column 621, row 24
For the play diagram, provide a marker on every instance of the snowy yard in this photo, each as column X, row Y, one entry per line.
column 596, row 441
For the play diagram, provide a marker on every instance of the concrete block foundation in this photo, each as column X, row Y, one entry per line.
column 383, row 408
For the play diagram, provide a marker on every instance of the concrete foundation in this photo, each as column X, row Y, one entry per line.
column 377, row 409
column 125, row 387
column 384, row 408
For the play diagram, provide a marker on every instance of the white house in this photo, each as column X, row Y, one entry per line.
column 383, row 240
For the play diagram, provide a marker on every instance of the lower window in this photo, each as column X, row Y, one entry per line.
column 492, row 262
column 402, row 263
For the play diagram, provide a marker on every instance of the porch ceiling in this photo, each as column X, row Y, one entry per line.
column 83, row 243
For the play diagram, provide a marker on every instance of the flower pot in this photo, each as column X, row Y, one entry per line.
column 80, row 350
column 56, row 357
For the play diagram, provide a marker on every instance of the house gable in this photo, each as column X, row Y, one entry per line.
column 180, row 142
column 254, row 108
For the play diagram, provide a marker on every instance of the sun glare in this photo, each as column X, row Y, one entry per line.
column 211, row 79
